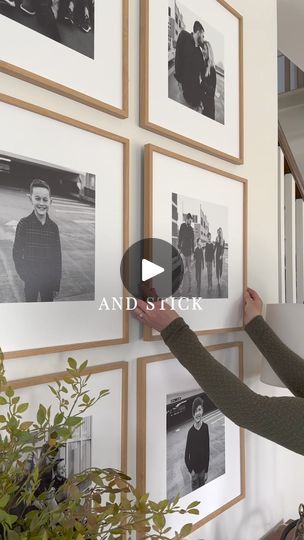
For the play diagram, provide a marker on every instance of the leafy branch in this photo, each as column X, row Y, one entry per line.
column 97, row 504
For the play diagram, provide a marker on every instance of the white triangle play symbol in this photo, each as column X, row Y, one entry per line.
column 150, row 270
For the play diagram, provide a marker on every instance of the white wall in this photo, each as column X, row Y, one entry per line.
column 268, row 499
column 290, row 30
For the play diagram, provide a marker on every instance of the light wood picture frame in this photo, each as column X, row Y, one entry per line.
column 111, row 451
column 73, row 63
column 209, row 120
column 83, row 204
column 176, row 185
column 165, row 393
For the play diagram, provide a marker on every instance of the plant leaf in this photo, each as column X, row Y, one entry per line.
column 41, row 414
column 22, row 408
column 4, row 500
column 72, row 363
column 186, row 530
column 9, row 392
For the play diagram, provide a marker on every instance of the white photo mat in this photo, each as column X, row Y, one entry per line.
column 167, row 376
column 34, row 326
column 173, row 175
column 164, row 113
column 111, row 410
column 100, row 78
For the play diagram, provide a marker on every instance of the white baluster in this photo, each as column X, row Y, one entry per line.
column 290, row 238
column 282, row 284
column 300, row 249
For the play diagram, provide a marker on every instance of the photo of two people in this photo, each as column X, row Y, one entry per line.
column 195, row 63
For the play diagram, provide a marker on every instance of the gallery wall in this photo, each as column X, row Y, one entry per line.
column 270, row 496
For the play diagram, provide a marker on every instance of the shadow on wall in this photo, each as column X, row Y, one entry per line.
column 256, row 520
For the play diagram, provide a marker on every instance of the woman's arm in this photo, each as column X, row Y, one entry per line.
column 279, row 419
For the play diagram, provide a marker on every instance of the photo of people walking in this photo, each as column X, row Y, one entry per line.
column 69, row 22
column 198, row 233
column 196, row 76
column 47, row 232
column 195, row 442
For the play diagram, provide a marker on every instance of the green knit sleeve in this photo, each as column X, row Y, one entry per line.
column 279, row 419
column 287, row 364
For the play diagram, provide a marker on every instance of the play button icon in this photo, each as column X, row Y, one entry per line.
column 150, row 270
column 152, row 264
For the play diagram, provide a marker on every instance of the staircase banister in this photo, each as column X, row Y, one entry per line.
column 292, row 164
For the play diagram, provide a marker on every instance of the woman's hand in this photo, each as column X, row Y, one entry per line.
column 158, row 318
column 253, row 305
column 162, row 315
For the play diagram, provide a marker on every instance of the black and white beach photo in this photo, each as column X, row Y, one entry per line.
column 68, row 22
column 195, row 442
column 200, row 233
column 196, row 60
column 47, row 228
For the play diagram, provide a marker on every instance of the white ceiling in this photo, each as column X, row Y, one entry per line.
column 291, row 30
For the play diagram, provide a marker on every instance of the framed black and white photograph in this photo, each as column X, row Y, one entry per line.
column 202, row 212
column 57, row 208
column 192, row 74
column 197, row 452
column 195, row 442
column 36, row 197
column 200, row 233
column 88, row 448
column 83, row 48
column 207, row 97
column 68, row 22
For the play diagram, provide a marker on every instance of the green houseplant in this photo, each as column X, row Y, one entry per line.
column 33, row 507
